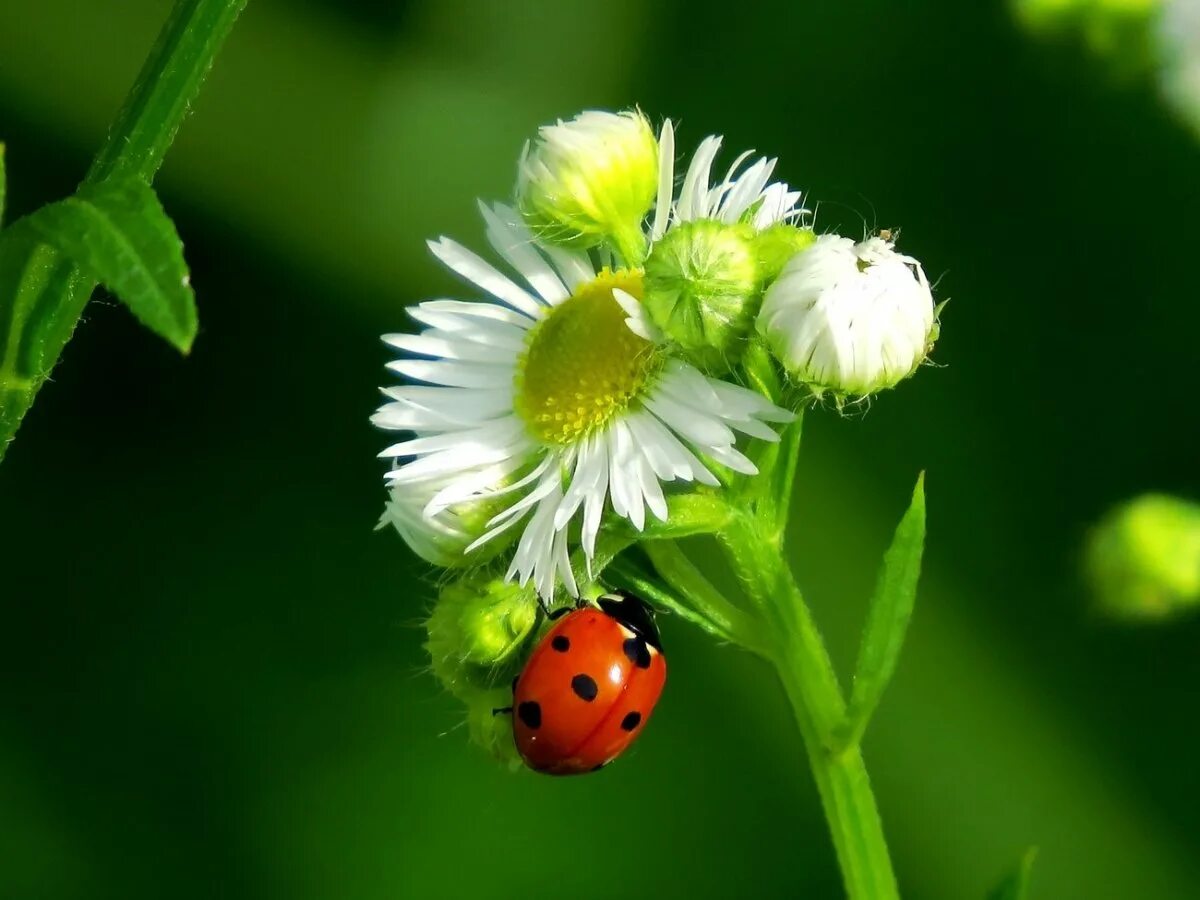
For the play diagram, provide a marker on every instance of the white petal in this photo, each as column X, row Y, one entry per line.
column 486, row 437
column 471, row 267
column 593, row 504
column 462, row 406
column 453, row 374
column 734, row 459
column 513, row 241
column 666, row 180
column 689, row 422
column 480, row 309
column 575, row 268
column 469, row 351
column 693, row 195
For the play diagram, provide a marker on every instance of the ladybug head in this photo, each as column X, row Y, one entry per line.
column 634, row 613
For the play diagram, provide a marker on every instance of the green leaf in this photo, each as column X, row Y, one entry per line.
column 119, row 233
column 1015, row 886
column 888, row 617
column 41, row 296
column 3, row 183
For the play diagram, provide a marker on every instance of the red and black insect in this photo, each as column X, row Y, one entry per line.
column 589, row 686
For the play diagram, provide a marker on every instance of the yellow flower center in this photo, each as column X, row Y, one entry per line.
column 582, row 364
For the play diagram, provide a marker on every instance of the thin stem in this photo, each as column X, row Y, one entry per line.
column 626, row 574
column 682, row 575
column 165, row 88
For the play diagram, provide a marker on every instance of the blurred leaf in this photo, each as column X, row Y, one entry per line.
column 3, row 182
column 887, row 620
column 119, row 232
column 1015, row 886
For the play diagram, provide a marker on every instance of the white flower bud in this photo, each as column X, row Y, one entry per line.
column 850, row 318
column 591, row 179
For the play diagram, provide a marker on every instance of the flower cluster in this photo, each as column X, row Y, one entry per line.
column 599, row 371
column 604, row 364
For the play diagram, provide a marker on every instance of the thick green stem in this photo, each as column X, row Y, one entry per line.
column 40, row 319
column 854, row 823
column 810, row 681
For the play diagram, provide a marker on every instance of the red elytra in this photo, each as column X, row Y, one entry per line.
column 589, row 687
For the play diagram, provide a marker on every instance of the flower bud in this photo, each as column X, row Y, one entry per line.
column 849, row 318
column 477, row 631
column 441, row 536
column 776, row 245
column 491, row 730
column 702, row 290
column 591, row 179
column 1143, row 558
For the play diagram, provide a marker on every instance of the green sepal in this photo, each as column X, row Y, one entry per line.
column 887, row 619
column 118, row 232
column 1015, row 885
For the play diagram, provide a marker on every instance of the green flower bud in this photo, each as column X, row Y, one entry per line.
column 1143, row 558
column 778, row 244
column 591, row 179
column 490, row 730
column 477, row 632
column 702, row 290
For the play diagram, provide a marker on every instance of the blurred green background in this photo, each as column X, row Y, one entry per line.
column 211, row 674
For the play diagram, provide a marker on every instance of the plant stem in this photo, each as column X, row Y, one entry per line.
column 165, row 88
column 808, row 678
column 681, row 574
column 810, row 681
column 42, row 318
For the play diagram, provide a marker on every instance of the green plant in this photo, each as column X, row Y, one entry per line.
column 113, row 230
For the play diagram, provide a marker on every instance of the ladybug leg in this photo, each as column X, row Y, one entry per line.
column 507, row 710
column 559, row 613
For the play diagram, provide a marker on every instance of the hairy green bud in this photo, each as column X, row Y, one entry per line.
column 702, row 290
column 477, row 632
column 1143, row 558
column 491, row 730
column 776, row 245
column 591, row 179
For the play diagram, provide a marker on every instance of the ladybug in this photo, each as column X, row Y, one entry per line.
column 589, row 686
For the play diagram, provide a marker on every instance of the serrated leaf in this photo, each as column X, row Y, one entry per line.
column 888, row 617
column 118, row 232
column 1015, row 886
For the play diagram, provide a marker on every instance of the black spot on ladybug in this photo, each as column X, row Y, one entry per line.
column 637, row 651
column 530, row 712
column 584, row 687
column 561, row 643
column 631, row 721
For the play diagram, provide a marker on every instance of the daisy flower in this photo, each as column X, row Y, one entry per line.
column 550, row 394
